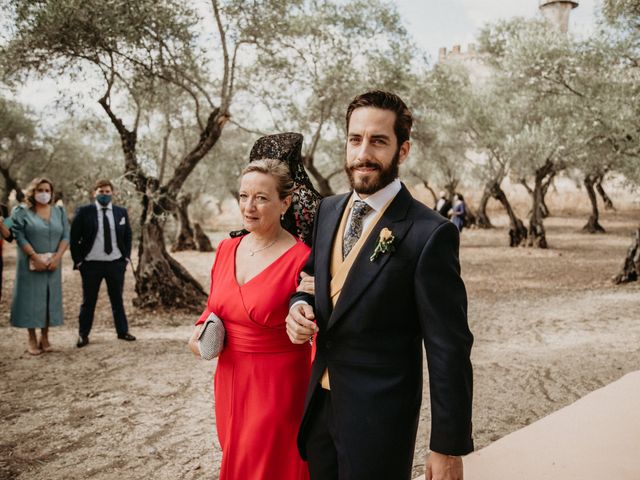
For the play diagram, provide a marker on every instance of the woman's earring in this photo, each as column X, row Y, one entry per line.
column 282, row 217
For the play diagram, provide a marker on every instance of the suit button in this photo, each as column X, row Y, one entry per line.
column 328, row 344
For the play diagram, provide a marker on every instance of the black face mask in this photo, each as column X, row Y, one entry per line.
column 103, row 199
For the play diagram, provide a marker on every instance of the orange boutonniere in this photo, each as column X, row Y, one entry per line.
column 384, row 245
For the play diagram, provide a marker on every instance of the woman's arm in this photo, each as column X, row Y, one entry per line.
column 64, row 242
column 4, row 230
column 18, row 230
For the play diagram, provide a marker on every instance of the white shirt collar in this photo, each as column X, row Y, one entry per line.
column 378, row 200
column 100, row 207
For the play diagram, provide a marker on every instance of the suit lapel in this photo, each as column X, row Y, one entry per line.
column 364, row 271
column 93, row 214
column 116, row 216
column 323, row 247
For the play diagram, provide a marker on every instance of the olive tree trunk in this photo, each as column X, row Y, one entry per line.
column 517, row 230
column 161, row 282
column 608, row 204
column 537, row 235
column 324, row 187
column 202, row 240
column 593, row 224
column 630, row 271
column 10, row 183
column 450, row 187
column 185, row 239
column 482, row 219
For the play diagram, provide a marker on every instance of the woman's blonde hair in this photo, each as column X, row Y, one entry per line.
column 278, row 170
column 30, row 197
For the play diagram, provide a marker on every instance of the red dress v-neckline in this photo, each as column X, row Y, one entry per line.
column 280, row 257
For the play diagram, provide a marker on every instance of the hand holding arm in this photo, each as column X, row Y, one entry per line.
column 307, row 284
column 300, row 324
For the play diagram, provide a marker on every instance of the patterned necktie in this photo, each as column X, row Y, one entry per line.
column 351, row 235
column 106, row 228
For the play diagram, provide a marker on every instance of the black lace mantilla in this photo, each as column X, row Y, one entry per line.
column 287, row 147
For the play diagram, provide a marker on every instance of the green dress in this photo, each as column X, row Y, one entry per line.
column 29, row 305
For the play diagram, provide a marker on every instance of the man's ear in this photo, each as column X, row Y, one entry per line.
column 404, row 151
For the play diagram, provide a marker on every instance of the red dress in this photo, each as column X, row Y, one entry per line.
column 261, row 377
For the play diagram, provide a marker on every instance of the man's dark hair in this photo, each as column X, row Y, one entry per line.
column 386, row 101
column 103, row 183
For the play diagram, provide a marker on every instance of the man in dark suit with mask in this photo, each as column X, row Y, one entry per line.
column 101, row 249
column 386, row 279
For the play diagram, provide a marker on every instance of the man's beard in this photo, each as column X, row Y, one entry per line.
column 373, row 183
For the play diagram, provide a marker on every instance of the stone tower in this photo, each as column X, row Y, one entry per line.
column 557, row 12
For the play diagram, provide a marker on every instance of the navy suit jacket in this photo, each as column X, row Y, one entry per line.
column 371, row 342
column 84, row 229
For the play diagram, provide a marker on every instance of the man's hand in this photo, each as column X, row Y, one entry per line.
column 443, row 467
column 300, row 324
column 307, row 284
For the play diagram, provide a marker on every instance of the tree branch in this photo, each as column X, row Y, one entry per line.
column 224, row 92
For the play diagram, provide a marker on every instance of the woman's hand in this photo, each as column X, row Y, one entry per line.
column 193, row 341
column 39, row 263
column 54, row 262
column 307, row 284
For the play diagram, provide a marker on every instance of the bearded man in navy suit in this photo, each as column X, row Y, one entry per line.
column 101, row 249
column 386, row 279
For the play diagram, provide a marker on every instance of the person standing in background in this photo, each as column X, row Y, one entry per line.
column 443, row 205
column 41, row 231
column 101, row 248
column 459, row 211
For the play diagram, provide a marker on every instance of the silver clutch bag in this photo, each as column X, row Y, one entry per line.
column 211, row 338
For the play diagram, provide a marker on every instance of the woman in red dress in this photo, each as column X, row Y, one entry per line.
column 261, row 377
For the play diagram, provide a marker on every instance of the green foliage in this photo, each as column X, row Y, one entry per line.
column 19, row 144
column 16, row 125
column 574, row 102
column 439, row 102
column 143, row 34
column 624, row 11
column 332, row 51
column 72, row 155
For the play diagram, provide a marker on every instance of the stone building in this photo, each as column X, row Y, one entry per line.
column 557, row 12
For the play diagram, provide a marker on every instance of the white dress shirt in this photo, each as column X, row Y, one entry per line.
column 97, row 252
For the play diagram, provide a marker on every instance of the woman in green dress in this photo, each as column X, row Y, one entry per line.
column 41, row 231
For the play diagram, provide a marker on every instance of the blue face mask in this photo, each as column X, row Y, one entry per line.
column 103, row 199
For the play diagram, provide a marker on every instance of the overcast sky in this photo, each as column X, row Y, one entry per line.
column 444, row 23
column 433, row 23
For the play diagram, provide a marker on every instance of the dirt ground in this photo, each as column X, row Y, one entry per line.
column 549, row 328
